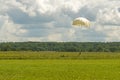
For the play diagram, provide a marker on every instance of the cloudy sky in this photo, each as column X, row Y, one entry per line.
column 50, row 20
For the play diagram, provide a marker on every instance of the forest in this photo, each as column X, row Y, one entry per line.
column 61, row 46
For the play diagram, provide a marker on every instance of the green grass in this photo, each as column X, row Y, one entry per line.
column 60, row 69
column 58, row 55
column 27, row 65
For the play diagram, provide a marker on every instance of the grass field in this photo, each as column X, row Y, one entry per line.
column 61, row 66
column 58, row 55
column 60, row 69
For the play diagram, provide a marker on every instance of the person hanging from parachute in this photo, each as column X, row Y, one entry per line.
column 81, row 22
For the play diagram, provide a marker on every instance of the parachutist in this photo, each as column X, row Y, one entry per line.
column 79, row 53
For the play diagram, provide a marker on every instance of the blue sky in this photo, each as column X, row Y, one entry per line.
column 50, row 20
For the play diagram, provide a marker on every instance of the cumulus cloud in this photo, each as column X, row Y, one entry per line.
column 50, row 20
column 109, row 17
column 47, row 6
column 10, row 31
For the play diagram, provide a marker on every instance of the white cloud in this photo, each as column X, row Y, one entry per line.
column 8, row 30
column 109, row 16
column 108, row 21
column 47, row 6
column 111, row 33
column 54, row 37
column 50, row 20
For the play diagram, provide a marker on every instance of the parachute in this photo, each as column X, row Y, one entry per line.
column 82, row 22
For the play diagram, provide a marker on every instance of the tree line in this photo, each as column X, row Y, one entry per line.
column 61, row 46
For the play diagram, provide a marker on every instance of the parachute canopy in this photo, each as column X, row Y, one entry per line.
column 80, row 21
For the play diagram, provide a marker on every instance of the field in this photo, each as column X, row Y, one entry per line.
column 60, row 66
column 58, row 55
column 59, row 70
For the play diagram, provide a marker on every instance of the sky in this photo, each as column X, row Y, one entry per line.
column 51, row 20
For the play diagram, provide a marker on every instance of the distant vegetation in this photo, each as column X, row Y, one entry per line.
column 61, row 46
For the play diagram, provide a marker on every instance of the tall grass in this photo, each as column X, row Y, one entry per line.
column 60, row 69
column 57, row 55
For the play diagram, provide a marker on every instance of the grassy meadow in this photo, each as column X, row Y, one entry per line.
column 60, row 69
column 59, row 66
column 58, row 55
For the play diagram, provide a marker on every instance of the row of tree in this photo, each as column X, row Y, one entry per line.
column 61, row 46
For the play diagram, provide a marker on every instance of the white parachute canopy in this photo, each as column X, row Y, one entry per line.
column 82, row 22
